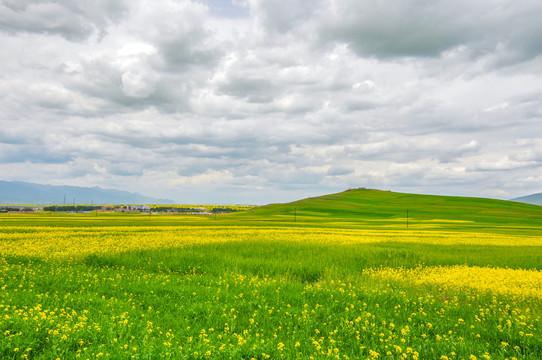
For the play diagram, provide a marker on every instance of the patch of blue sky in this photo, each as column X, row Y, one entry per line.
column 228, row 8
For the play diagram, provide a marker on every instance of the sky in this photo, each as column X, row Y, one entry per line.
column 262, row 101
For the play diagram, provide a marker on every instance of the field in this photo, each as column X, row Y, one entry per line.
column 343, row 276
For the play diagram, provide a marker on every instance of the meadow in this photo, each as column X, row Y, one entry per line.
column 343, row 276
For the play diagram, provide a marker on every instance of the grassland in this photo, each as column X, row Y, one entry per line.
column 339, row 276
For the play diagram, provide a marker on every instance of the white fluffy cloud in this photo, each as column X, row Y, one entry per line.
column 262, row 101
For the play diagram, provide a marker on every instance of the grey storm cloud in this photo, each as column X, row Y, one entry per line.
column 264, row 101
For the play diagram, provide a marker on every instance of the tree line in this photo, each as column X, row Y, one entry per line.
column 71, row 208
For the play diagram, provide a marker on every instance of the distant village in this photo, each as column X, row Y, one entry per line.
column 136, row 209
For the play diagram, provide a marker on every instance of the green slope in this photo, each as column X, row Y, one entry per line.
column 359, row 208
column 365, row 207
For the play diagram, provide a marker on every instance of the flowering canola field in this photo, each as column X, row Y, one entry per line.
column 73, row 242
column 198, row 291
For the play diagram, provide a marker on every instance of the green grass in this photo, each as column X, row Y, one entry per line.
column 376, row 208
column 265, row 296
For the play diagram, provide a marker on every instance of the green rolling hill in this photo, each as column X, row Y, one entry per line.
column 357, row 208
column 376, row 208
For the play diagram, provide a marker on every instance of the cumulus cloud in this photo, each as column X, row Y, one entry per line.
column 264, row 101
column 138, row 77
column 71, row 20
column 388, row 29
column 391, row 29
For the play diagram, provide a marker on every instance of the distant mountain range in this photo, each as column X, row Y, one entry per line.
column 535, row 199
column 18, row 192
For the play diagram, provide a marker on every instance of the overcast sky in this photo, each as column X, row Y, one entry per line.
column 259, row 101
